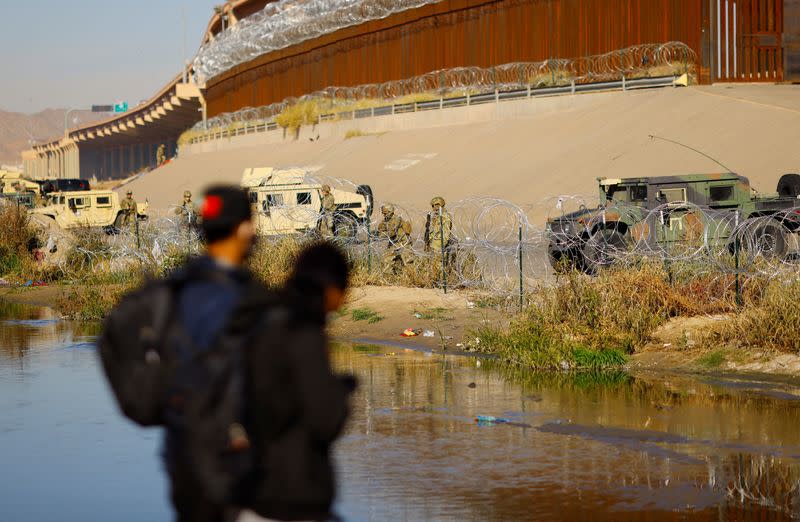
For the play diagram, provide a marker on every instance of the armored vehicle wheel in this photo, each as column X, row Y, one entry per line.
column 789, row 185
column 768, row 238
column 603, row 249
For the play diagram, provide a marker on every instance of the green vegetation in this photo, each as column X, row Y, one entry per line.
column 712, row 360
column 433, row 314
column 366, row 314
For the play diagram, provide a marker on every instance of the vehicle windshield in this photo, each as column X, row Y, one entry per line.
column 635, row 194
column 73, row 184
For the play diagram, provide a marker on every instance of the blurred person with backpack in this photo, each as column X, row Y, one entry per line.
column 293, row 381
column 175, row 350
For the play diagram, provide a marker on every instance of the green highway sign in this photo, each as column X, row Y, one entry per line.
column 121, row 107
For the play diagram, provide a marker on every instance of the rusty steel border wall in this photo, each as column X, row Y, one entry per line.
column 457, row 33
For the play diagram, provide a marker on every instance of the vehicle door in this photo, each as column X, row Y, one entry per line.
column 723, row 199
column 77, row 212
column 678, row 221
column 275, row 215
column 301, row 209
column 102, row 210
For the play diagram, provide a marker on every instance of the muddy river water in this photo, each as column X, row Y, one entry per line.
column 572, row 447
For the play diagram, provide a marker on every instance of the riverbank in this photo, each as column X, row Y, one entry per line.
column 447, row 322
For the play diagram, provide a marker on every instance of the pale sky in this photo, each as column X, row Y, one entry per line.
column 72, row 54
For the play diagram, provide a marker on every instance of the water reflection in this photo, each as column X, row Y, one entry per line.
column 607, row 447
column 65, row 452
column 577, row 447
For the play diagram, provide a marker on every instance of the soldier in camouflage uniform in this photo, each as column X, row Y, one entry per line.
column 128, row 207
column 439, row 231
column 328, row 209
column 187, row 211
column 161, row 155
column 398, row 233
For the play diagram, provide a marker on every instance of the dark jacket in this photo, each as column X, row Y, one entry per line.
column 307, row 407
column 211, row 300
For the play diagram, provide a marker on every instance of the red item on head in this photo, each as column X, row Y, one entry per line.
column 212, row 207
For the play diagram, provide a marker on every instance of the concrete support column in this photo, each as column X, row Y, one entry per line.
column 76, row 161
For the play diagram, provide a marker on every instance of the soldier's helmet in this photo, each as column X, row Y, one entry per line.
column 326, row 188
column 187, row 194
column 387, row 210
column 129, row 193
column 438, row 200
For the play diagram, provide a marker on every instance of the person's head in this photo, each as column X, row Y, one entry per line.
column 227, row 223
column 129, row 194
column 187, row 196
column 387, row 211
column 322, row 270
column 437, row 203
column 326, row 189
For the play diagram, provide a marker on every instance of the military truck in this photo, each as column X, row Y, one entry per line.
column 285, row 201
column 12, row 182
column 698, row 212
column 63, row 185
column 20, row 199
column 86, row 208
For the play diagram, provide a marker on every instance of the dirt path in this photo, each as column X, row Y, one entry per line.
column 447, row 318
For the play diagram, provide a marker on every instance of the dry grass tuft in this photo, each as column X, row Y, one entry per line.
column 771, row 321
column 18, row 239
column 591, row 322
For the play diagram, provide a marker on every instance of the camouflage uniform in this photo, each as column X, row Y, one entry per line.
column 328, row 209
column 439, row 231
column 161, row 155
column 128, row 207
column 397, row 231
column 187, row 211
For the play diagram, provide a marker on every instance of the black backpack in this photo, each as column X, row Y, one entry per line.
column 160, row 378
column 131, row 352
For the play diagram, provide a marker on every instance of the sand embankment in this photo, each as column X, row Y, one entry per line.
column 524, row 151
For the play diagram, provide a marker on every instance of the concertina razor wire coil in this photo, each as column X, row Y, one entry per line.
column 635, row 61
column 485, row 253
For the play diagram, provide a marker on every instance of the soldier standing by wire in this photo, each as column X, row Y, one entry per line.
column 439, row 231
column 128, row 207
column 161, row 155
column 187, row 211
column 328, row 209
column 398, row 232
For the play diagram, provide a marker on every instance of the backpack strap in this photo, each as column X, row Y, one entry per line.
column 153, row 334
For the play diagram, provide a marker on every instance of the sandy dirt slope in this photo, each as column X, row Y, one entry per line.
column 753, row 129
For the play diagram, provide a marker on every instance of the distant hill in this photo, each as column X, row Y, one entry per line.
column 17, row 130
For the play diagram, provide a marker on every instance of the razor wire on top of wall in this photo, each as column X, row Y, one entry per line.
column 286, row 23
column 667, row 59
column 504, row 249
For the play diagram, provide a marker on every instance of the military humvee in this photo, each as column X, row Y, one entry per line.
column 87, row 208
column 13, row 183
column 285, row 202
column 697, row 211
column 20, row 199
